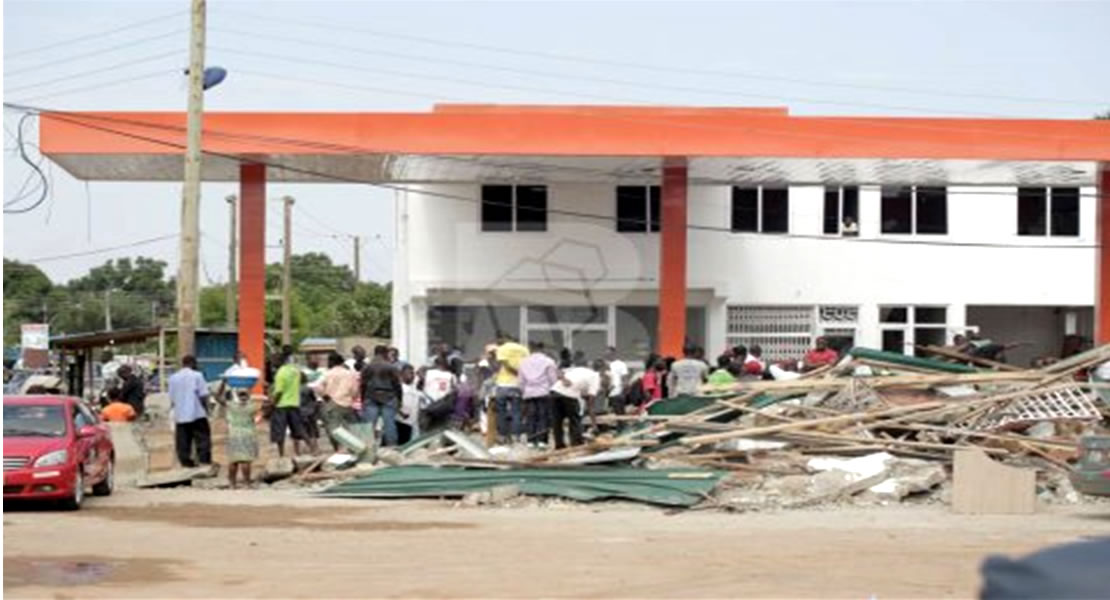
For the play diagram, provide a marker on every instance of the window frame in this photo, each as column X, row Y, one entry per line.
column 912, row 324
column 514, row 223
column 653, row 209
column 1050, row 195
column 840, row 191
column 760, row 212
column 915, row 201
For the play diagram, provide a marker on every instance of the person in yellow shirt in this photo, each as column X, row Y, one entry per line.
column 508, row 396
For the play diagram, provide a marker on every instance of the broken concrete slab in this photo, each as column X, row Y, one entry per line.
column 277, row 469
column 908, row 480
column 132, row 459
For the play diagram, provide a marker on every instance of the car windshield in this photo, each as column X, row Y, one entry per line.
column 34, row 420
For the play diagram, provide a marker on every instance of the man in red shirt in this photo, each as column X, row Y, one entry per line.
column 820, row 356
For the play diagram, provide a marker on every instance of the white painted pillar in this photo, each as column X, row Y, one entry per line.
column 869, row 335
column 956, row 320
column 716, row 323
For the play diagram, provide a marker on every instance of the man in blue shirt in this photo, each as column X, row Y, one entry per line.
column 188, row 396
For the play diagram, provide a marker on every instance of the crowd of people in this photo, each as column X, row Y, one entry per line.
column 515, row 394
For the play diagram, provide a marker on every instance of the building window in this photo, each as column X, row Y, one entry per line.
column 470, row 328
column 514, row 208
column 1048, row 211
column 906, row 327
column 915, row 209
column 638, row 208
column 761, row 209
column 842, row 210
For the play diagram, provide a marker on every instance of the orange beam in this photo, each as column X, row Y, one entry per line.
column 662, row 132
column 672, row 259
column 1102, row 262
column 252, row 265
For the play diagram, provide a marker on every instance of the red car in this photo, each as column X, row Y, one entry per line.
column 55, row 448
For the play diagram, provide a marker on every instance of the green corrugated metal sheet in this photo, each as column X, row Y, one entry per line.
column 668, row 487
column 910, row 361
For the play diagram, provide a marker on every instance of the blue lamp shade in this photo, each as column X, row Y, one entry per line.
column 213, row 76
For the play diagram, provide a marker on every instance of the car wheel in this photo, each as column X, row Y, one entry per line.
column 74, row 501
column 104, row 488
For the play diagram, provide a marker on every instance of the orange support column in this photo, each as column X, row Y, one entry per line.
column 672, row 259
column 1102, row 255
column 252, row 265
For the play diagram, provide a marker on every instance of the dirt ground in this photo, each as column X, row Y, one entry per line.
column 286, row 544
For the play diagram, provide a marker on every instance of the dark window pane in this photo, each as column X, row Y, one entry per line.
column 832, row 210
column 892, row 314
column 1031, row 211
column 1065, row 211
column 896, row 201
column 553, row 315
column 497, row 208
column 894, row 340
column 531, row 208
column 470, row 328
column 932, row 210
column 776, row 210
column 851, row 202
column 631, row 208
column 745, row 210
column 929, row 314
column 656, row 216
column 927, row 336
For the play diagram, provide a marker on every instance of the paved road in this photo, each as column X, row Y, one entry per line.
column 282, row 544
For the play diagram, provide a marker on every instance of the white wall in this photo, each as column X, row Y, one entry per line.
column 443, row 248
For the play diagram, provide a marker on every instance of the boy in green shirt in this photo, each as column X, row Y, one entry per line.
column 285, row 394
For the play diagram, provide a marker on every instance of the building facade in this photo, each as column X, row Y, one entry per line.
column 576, row 265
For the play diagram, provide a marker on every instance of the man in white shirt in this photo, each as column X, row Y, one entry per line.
column 570, row 395
column 687, row 374
column 439, row 380
column 618, row 380
column 537, row 373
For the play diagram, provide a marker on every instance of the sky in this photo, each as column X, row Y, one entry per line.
column 1006, row 59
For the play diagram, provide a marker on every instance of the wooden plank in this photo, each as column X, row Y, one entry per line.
column 983, row 486
column 983, row 362
column 837, row 420
column 883, row 381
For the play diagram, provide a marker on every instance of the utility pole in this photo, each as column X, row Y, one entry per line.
column 287, row 271
column 232, row 257
column 358, row 270
column 190, row 196
column 108, row 309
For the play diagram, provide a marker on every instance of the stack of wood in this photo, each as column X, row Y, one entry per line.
column 914, row 408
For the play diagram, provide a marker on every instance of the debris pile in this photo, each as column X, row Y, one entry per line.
column 877, row 428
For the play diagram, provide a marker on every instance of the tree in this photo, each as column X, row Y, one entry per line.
column 1103, row 116
column 26, row 297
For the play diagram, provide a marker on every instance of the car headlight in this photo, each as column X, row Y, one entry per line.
column 50, row 459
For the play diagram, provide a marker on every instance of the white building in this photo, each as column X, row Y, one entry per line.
column 767, row 264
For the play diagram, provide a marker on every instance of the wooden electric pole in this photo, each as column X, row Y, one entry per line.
column 232, row 257
column 358, row 270
column 188, row 272
column 287, row 271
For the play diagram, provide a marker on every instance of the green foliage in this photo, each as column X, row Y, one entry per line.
column 326, row 300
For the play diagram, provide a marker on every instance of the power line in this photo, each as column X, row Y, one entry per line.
column 585, row 78
column 578, row 214
column 35, row 167
column 84, row 55
column 96, row 86
column 332, row 27
column 90, row 36
column 81, row 74
column 134, row 244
